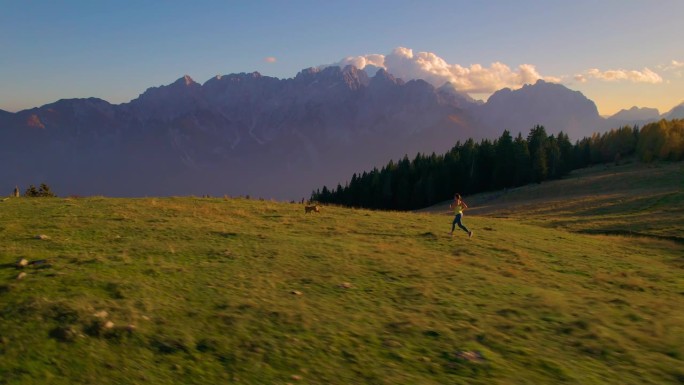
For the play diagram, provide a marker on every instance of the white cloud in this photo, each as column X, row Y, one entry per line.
column 404, row 63
column 362, row 61
column 673, row 65
column 676, row 67
column 580, row 78
column 270, row 59
column 634, row 76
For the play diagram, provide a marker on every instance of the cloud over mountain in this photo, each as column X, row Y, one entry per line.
column 673, row 65
column 644, row 76
column 476, row 78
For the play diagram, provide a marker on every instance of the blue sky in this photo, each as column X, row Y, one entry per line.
column 618, row 53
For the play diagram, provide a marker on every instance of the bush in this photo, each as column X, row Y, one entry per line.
column 42, row 191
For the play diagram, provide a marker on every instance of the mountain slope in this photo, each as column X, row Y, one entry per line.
column 675, row 113
column 636, row 113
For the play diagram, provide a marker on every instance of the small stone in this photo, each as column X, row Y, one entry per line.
column 296, row 377
column 108, row 325
column 346, row 285
column 21, row 275
column 101, row 314
column 296, row 292
column 64, row 333
column 22, row 262
column 470, row 355
column 392, row 343
column 42, row 237
column 130, row 328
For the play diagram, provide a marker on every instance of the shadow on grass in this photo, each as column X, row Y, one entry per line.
column 629, row 233
column 426, row 235
column 225, row 234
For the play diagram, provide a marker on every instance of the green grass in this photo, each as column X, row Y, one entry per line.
column 632, row 199
column 214, row 291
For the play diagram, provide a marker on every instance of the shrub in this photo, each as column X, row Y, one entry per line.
column 42, row 191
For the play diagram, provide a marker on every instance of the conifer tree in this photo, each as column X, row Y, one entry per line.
column 566, row 154
column 504, row 164
column 31, row 191
column 522, row 161
column 537, row 142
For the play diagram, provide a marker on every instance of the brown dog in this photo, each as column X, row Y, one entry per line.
column 314, row 208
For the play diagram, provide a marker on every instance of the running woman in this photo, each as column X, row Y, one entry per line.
column 458, row 205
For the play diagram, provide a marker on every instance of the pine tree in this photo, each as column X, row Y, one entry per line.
column 31, row 191
column 522, row 161
column 484, row 172
column 566, row 154
column 537, row 142
column 504, row 164
column 44, row 191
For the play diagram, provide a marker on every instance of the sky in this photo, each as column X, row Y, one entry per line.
column 618, row 53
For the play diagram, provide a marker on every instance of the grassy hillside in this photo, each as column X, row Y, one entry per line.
column 209, row 291
column 632, row 199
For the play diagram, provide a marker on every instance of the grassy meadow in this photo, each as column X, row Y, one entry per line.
column 235, row 291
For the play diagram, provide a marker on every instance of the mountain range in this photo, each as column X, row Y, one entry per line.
column 248, row 134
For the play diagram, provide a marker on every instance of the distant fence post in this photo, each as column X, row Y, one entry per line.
column 16, row 191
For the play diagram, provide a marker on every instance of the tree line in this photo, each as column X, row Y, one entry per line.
column 505, row 162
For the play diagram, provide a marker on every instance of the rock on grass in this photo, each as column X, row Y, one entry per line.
column 64, row 333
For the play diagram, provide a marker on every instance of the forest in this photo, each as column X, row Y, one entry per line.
column 505, row 162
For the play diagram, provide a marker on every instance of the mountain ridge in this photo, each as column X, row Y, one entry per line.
column 251, row 134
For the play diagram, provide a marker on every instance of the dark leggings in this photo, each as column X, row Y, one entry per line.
column 457, row 221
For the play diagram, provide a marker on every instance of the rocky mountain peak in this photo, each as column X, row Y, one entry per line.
column 543, row 93
column 449, row 92
column 307, row 74
column 234, row 78
column 185, row 81
column 354, row 77
column 549, row 104
column 348, row 77
column 637, row 114
column 169, row 101
column 382, row 77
